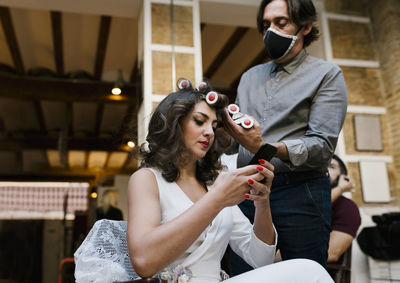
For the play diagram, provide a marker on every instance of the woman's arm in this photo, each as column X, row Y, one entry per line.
column 152, row 245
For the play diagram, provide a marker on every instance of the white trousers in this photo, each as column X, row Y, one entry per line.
column 288, row 271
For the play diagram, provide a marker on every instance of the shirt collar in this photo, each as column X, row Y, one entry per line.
column 292, row 64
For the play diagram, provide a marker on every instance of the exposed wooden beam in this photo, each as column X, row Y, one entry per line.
column 62, row 147
column 104, row 31
column 11, row 38
column 86, row 159
column 135, row 72
column 260, row 58
column 51, row 143
column 69, row 119
column 56, row 26
column 40, row 116
column 19, row 161
column 129, row 120
column 107, row 159
column 2, row 126
column 231, row 92
column 226, row 50
column 131, row 155
column 99, row 117
column 28, row 88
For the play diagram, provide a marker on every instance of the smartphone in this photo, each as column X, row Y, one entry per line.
column 265, row 152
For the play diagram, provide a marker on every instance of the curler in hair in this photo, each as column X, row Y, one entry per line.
column 183, row 83
column 212, row 97
column 201, row 86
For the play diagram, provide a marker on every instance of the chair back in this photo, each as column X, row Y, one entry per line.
column 103, row 256
column 341, row 270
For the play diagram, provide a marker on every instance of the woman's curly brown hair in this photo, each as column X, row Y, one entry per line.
column 166, row 148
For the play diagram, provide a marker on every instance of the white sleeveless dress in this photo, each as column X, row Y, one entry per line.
column 230, row 226
column 103, row 256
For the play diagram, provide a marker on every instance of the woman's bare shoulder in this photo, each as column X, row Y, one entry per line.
column 143, row 173
column 143, row 178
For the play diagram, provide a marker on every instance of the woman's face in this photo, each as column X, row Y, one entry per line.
column 198, row 129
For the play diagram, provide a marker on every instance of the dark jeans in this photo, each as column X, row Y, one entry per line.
column 301, row 211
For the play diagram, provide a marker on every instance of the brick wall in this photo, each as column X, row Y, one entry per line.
column 351, row 7
column 385, row 22
column 161, row 34
column 351, row 40
column 376, row 87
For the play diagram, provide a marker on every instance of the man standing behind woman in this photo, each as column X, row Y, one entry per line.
column 299, row 103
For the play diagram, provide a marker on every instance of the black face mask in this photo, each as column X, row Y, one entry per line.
column 278, row 44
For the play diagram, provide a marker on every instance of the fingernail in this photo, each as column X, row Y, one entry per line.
column 261, row 161
column 247, row 196
column 259, row 168
column 250, row 181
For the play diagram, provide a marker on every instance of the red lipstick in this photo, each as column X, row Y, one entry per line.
column 205, row 144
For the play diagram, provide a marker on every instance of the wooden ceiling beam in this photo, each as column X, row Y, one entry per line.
column 135, row 72
column 232, row 91
column 260, row 58
column 102, row 40
column 225, row 51
column 99, row 117
column 52, row 143
column 40, row 116
column 11, row 38
column 19, row 162
column 56, row 27
column 128, row 160
column 67, row 90
column 69, row 121
column 129, row 122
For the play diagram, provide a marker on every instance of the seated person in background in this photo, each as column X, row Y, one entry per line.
column 183, row 210
column 108, row 208
column 346, row 216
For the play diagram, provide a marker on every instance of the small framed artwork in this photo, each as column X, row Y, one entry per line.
column 368, row 135
column 375, row 181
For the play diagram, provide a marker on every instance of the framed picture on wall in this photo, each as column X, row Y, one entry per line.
column 368, row 136
column 375, row 181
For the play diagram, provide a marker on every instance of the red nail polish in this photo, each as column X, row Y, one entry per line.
column 247, row 196
column 250, row 181
column 259, row 168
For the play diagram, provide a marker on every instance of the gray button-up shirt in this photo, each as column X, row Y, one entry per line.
column 301, row 103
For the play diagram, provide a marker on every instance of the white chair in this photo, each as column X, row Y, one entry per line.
column 103, row 257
